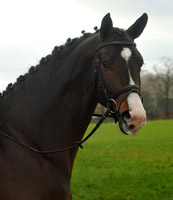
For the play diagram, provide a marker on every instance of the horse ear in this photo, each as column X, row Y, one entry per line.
column 137, row 28
column 106, row 26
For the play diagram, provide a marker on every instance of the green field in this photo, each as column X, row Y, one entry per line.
column 113, row 166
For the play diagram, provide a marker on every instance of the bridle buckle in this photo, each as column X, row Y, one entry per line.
column 112, row 106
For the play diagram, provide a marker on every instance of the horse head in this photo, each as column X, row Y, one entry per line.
column 119, row 65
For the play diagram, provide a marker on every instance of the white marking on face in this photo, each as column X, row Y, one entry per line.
column 126, row 54
column 135, row 104
column 131, row 80
column 136, row 111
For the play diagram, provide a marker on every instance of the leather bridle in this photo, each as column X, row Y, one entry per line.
column 112, row 105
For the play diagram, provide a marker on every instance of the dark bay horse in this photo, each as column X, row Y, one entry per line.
column 51, row 106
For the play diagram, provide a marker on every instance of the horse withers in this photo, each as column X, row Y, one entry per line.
column 51, row 106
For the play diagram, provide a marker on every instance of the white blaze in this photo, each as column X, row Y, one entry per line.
column 126, row 54
column 136, row 109
column 135, row 105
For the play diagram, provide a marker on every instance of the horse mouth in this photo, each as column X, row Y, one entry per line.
column 125, row 126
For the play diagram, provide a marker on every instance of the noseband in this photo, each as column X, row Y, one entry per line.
column 112, row 106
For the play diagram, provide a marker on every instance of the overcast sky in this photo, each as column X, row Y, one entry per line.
column 29, row 29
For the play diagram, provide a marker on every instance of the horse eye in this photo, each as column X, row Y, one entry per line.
column 106, row 64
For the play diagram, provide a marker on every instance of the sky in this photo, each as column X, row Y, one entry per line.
column 31, row 28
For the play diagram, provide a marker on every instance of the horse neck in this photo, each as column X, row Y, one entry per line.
column 57, row 101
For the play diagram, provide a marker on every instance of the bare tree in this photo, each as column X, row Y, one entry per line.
column 164, row 82
column 150, row 96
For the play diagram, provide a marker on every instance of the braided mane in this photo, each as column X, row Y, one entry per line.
column 57, row 53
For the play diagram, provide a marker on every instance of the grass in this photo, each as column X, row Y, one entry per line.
column 113, row 166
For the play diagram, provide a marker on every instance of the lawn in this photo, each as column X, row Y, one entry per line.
column 114, row 166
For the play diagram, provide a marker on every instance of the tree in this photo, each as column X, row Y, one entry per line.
column 149, row 96
column 164, row 82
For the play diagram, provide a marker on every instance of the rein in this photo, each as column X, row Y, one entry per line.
column 77, row 144
column 111, row 99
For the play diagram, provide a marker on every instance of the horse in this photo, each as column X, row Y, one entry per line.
column 50, row 107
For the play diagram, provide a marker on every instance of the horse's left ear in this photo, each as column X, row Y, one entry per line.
column 137, row 28
column 106, row 26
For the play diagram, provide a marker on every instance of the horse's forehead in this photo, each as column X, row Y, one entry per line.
column 126, row 54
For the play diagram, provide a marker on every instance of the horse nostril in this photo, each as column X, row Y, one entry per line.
column 126, row 117
column 131, row 126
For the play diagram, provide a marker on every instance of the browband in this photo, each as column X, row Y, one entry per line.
column 116, row 43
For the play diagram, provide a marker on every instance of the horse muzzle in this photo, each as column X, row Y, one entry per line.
column 130, row 121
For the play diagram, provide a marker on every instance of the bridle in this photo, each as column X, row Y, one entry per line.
column 110, row 99
column 114, row 111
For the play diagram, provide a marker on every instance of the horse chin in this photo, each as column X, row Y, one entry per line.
column 125, row 128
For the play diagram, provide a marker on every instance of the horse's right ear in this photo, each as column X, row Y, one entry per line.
column 137, row 28
column 106, row 26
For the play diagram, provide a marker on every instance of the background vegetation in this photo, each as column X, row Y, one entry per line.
column 113, row 166
column 157, row 90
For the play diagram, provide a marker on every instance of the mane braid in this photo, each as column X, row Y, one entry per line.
column 56, row 53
